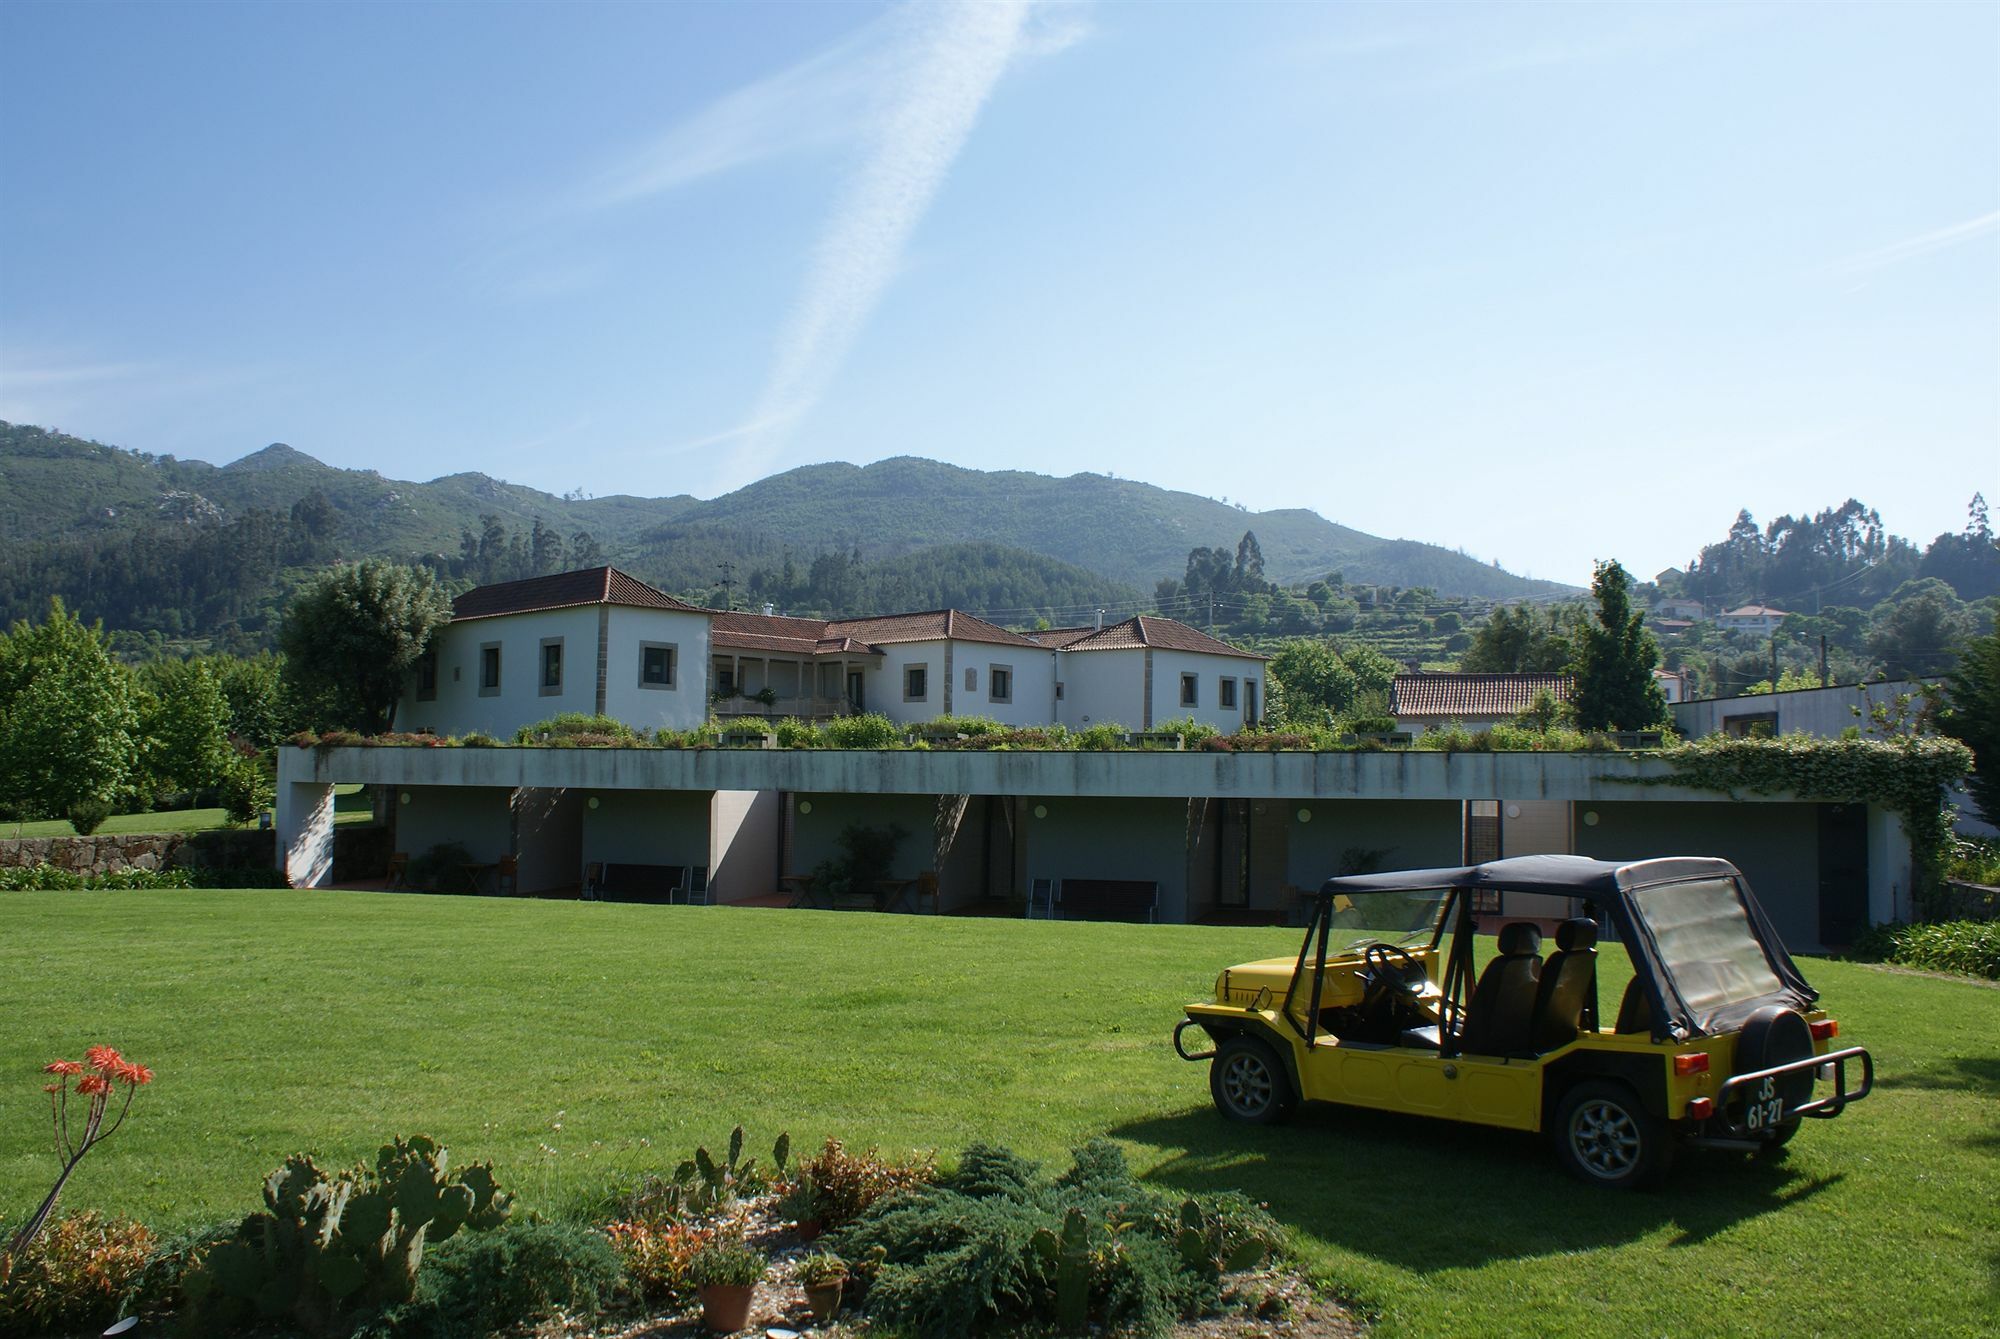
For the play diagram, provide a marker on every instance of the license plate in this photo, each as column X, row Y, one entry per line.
column 1765, row 1109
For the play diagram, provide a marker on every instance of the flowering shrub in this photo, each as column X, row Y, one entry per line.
column 841, row 1186
column 46, row 877
column 657, row 1255
column 72, row 1277
column 97, row 1079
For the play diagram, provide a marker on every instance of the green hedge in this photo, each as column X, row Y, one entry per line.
column 1971, row 947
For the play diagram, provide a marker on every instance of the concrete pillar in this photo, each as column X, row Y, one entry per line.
column 305, row 832
column 1890, row 893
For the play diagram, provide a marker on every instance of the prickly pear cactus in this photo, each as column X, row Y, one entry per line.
column 330, row 1244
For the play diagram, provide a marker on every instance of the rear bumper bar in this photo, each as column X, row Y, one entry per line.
column 1746, row 1089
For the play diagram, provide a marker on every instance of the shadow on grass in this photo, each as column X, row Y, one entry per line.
column 1959, row 1074
column 1425, row 1196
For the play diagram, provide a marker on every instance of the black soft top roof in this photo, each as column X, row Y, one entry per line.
column 1560, row 875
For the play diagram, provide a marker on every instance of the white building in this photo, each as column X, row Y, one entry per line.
column 594, row 641
column 600, row 641
column 1146, row 670
column 1762, row 620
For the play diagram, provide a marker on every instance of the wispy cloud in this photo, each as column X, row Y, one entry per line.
column 1923, row 244
column 954, row 54
column 817, row 103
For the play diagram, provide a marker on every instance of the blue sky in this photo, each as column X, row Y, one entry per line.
column 1544, row 283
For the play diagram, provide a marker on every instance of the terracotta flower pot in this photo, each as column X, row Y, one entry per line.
column 824, row 1300
column 725, row 1307
column 810, row 1228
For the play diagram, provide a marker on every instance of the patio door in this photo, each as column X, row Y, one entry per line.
column 854, row 699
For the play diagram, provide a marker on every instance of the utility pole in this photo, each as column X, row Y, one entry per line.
column 1822, row 660
column 1774, row 664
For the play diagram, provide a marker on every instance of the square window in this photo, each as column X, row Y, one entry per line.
column 916, row 683
column 489, row 670
column 552, row 658
column 1225, row 694
column 1190, row 690
column 1059, row 690
column 1000, row 683
column 656, row 665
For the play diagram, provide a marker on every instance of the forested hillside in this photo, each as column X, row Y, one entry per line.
column 170, row 549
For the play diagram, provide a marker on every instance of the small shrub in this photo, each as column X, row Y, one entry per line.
column 1454, row 738
column 836, row 1187
column 477, row 740
column 1373, row 725
column 995, row 1246
column 87, row 816
column 42, row 877
column 572, row 728
column 73, row 1277
column 1191, row 731
column 867, row 857
column 971, row 727
column 870, row 731
column 657, row 1255
column 748, row 726
column 1100, row 738
column 245, row 789
column 1971, row 947
column 1974, row 860
column 793, row 733
column 726, row 1263
column 520, row 1274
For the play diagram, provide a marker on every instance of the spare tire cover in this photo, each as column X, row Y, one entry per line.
column 1776, row 1035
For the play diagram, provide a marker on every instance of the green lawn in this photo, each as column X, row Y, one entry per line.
column 350, row 805
column 579, row 1045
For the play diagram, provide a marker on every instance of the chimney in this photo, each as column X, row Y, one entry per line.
column 769, row 609
column 1100, row 620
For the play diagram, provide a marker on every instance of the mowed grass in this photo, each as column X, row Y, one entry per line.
column 580, row 1045
column 350, row 803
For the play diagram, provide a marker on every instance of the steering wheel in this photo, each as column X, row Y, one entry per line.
column 1391, row 968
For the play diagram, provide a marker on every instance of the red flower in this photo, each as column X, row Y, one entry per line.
column 102, row 1057
column 63, row 1067
column 90, row 1085
column 127, row 1072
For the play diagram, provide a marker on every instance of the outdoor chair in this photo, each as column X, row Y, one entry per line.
column 507, row 876
column 398, row 873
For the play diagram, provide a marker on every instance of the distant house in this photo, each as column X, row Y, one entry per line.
column 1691, row 610
column 1673, row 685
column 1670, row 627
column 1422, row 702
column 1754, row 618
column 1149, row 669
column 595, row 640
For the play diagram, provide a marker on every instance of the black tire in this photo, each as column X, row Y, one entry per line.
column 1249, row 1083
column 1605, row 1137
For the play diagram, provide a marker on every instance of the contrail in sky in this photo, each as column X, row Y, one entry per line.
column 961, row 49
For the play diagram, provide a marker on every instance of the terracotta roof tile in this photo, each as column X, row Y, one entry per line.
column 1449, row 696
column 1164, row 634
column 930, row 626
column 564, row 590
column 853, row 636
column 1062, row 636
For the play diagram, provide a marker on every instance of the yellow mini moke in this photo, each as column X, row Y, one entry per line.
column 1394, row 1002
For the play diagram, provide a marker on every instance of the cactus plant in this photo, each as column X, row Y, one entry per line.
column 1202, row 1244
column 328, row 1244
column 702, row 1187
column 1068, row 1255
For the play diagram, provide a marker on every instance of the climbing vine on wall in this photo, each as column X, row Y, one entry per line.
column 1906, row 774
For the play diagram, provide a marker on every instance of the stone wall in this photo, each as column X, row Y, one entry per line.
column 109, row 854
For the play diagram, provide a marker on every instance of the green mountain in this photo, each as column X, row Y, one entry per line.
column 189, row 549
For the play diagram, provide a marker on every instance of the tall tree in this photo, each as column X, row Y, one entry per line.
column 1975, row 718
column 1615, row 659
column 67, row 720
column 184, row 724
column 1310, row 683
column 1918, row 629
column 354, row 635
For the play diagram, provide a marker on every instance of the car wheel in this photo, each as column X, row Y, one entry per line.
column 1248, row 1083
column 1605, row 1137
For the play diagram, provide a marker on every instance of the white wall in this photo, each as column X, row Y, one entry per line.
column 1825, row 712
column 459, row 708
column 745, row 829
column 681, row 707
column 481, row 818
column 1168, row 666
column 882, row 686
column 1033, row 699
column 1101, row 687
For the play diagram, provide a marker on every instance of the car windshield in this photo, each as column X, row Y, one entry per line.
column 1405, row 917
column 1707, row 944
